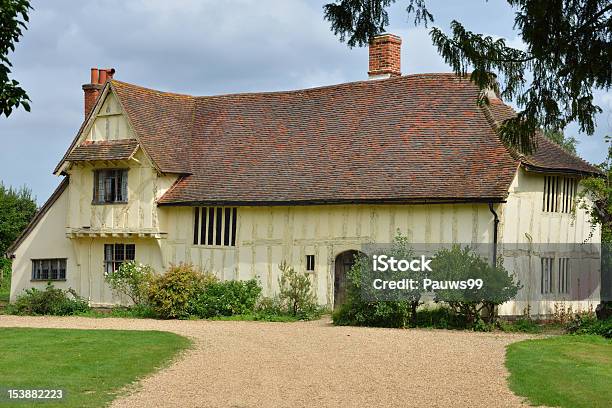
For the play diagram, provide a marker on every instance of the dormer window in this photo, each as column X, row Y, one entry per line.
column 110, row 186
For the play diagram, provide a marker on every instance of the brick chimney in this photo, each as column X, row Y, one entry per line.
column 99, row 76
column 385, row 57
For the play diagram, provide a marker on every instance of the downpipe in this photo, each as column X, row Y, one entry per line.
column 495, row 228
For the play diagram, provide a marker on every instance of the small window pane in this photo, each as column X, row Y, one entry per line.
column 130, row 252
column 119, row 252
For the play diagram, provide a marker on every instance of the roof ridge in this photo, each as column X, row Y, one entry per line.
column 165, row 93
column 368, row 82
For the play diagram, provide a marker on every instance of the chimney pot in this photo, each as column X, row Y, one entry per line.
column 94, row 75
column 385, row 50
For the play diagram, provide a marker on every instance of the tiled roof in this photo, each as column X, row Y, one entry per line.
column 415, row 138
column 163, row 123
column 104, row 150
column 548, row 156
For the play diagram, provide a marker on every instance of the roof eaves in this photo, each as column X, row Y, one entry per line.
column 247, row 203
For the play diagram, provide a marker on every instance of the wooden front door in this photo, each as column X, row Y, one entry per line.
column 344, row 263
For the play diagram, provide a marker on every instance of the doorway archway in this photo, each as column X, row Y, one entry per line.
column 344, row 262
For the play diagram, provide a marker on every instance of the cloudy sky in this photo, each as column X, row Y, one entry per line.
column 204, row 47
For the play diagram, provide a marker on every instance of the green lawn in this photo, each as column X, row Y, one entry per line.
column 90, row 365
column 562, row 371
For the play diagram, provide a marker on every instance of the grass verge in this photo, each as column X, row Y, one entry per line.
column 562, row 371
column 91, row 366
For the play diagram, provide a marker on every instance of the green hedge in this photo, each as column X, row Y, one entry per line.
column 227, row 298
column 51, row 301
column 586, row 324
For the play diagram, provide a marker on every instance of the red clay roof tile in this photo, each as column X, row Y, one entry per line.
column 406, row 139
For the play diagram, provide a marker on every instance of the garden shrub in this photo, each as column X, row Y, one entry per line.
column 132, row 280
column 440, row 317
column 585, row 323
column 462, row 264
column 522, row 325
column 355, row 312
column 51, row 301
column 269, row 307
column 296, row 295
column 374, row 309
column 227, row 298
column 170, row 294
column 136, row 311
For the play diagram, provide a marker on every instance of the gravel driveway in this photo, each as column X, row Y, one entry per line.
column 314, row 364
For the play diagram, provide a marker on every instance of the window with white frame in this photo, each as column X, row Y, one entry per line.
column 49, row 269
column 564, row 275
column 116, row 254
column 215, row 226
column 559, row 194
column 110, row 186
column 546, row 275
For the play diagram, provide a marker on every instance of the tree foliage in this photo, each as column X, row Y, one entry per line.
column 17, row 207
column 567, row 52
column 595, row 197
column 13, row 20
column 569, row 143
column 462, row 264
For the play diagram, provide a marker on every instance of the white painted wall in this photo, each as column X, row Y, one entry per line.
column 47, row 240
column 529, row 233
column 269, row 235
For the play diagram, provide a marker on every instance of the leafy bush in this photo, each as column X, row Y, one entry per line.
column 133, row 312
column 584, row 323
column 375, row 314
column 439, row 318
column 296, row 295
column 462, row 264
column 522, row 325
column 356, row 311
column 367, row 306
column 132, row 280
column 225, row 299
column 51, row 301
column 170, row 293
column 270, row 308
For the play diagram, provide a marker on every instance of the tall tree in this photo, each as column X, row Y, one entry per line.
column 13, row 19
column 568, row 53
column 596, row 197
column 17, row 207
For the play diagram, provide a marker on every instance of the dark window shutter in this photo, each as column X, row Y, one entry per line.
column 196, row 225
